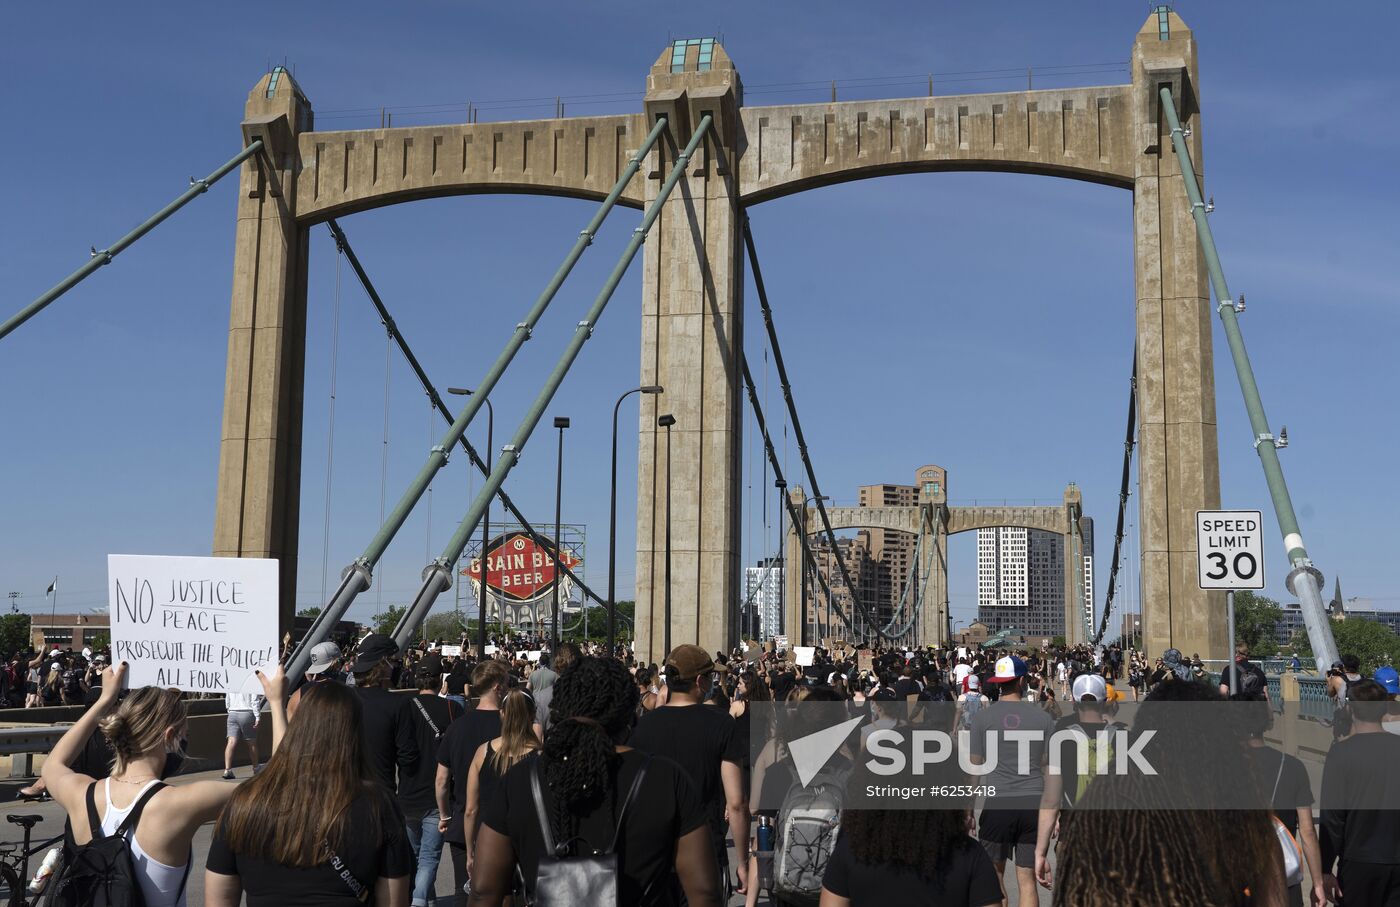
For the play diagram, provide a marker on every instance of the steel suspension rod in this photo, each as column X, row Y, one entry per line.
column 437, row 575
column 392, row 327
column 1129, row 442
column 796, row 423
column 102, row 257
column 358, row 574
column 1304, row 580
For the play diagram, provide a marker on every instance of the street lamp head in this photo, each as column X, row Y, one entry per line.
column 666, row 420
column 561, row 421
column 652, row 389
column 460, row 391
column 779, row 484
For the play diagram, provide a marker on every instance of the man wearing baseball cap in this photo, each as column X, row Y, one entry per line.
column 391, row 745
column 1092, row 697
column 1008, row 823
column 706, row 742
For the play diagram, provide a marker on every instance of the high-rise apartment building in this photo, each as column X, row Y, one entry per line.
column 1021, row 576
column 763, row 598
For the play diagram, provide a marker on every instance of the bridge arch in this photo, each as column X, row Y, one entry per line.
column 693, row 279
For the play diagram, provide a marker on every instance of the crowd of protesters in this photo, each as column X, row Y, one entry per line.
column 533, row 772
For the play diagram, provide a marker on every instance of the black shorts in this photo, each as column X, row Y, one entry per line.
column 1008, row 829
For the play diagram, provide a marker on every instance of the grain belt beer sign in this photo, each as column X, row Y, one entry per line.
column 518, row 570
column 1230, row 548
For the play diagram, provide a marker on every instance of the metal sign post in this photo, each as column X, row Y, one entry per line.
column 1230, row 552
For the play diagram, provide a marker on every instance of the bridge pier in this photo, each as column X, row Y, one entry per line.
column 257, row 510
column 1178, row 457
column 692, row 343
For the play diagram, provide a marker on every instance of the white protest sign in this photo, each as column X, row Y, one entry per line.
column 490, row 649
column 451, row 651
column 1230, row 549
column 805, row 655
column 201, row 624
column 533, row 656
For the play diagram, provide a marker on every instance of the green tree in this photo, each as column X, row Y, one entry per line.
column 14, row 634
column 1371, row 641
column 447, row 626
column 1256, row 616
column 312, row 613
column 388, row 619
column 99, row 640
column 1058, row 642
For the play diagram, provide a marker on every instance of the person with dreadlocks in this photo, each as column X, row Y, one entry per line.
column 908, row 856
column 585, row 774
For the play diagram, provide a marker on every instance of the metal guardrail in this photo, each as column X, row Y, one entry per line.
column 22, row 743
column 1313, row 701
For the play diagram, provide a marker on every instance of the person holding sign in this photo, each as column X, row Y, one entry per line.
column 148, row 725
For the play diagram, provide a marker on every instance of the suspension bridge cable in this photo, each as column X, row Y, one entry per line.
column 793, row 418
column 792, row 508
column 435, row 580
column 102, row 257
column 1129, row 441
column 384, row 456
column 330, row 426
column 357, row 575
column 395, row 336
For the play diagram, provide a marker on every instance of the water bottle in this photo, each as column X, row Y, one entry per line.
column 46, row 868
column 765, row 834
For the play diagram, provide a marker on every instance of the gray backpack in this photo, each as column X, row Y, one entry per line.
column 807, row 827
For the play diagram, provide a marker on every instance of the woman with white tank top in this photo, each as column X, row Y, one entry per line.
column 148, row 725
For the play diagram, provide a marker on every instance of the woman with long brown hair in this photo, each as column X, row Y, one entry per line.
column 496, row 757
column 158, row 820
column 313, row 827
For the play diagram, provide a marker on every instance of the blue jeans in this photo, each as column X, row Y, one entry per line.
column 426, row 841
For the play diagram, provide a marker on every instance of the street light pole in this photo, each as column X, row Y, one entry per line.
column 612, row 519
column 561, row 423
column 485, row 523
column 666, row 421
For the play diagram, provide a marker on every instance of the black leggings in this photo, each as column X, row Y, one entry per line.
column 459, row 873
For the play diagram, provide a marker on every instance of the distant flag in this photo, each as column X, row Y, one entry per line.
column 52, row 586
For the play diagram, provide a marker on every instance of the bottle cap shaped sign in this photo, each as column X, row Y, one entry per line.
column 518, row 570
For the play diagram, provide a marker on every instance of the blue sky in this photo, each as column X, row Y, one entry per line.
column 978, row 321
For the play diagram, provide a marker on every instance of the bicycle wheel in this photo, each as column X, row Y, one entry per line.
column 12, row 887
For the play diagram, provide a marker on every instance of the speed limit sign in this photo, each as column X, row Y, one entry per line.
column 1230, row 545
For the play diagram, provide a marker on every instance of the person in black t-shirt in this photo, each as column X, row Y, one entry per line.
column 585, row 775
column 432, row 715
column 490, row 680
column 391, row 746
column 884, row 857
column 315, row 827
column 1283, row 779
column 705, row 742
column 1358, row 805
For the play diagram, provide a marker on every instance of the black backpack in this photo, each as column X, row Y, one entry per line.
column 101, row 873
column 588, row 878
column 1252, row 681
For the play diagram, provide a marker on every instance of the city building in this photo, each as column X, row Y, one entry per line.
column 763, row 599
column 1021, row 576
column 69, row 631
column 1292, row 620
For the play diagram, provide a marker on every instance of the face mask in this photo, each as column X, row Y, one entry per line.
column 174, row 760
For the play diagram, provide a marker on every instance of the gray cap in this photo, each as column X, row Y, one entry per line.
column 323, row 656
